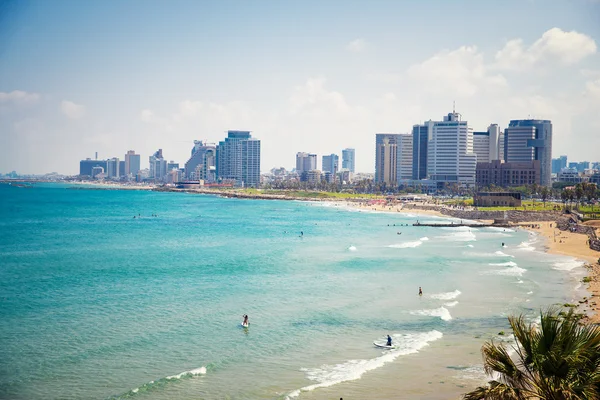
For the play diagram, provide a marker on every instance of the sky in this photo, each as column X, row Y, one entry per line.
column 79, row 77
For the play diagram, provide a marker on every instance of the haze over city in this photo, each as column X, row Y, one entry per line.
column 83, row 77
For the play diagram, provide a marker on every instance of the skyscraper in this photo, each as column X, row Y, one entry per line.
column 330, row 163
column 158, row 166
column 86, row 166
column 112, row 168
column 558, row 164
column 528, row 140
column 419, row 159
column 386, row 153
column 485, row 144
column 404, row 156
column 450, row 156
column 305, row 162
column 348, row 157
column 200, row 163
column 238, row 158
column 132, row 163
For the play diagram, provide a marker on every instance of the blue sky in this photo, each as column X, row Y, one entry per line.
column 78, row 77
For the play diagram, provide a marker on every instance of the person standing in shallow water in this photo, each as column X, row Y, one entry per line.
column 420, row 291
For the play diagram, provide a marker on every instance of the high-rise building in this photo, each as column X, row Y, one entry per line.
column 450, row 156
column 238, row 159
column 112, row 168
column 528, row 140
column 404, row 156
column 132, row 163
column 85, row 166
column 171, row 165
column 386, row 162
column 485, row 144
column 202, row 162
column 121, row 169
column 330, row 164
column 419, row 159
column 348, row 159
column 305, row 162
column 158, row 166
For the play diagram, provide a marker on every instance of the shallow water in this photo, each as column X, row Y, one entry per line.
column 98, row 304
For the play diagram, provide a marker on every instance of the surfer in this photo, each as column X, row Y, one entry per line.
column 420, row 291
column 502, row 244
column 389, row 341
column 301, row 233
column 245, row 323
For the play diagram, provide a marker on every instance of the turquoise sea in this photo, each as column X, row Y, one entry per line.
column 97, row 304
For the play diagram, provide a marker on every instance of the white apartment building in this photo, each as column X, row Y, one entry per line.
column 450, row 156
column 404, row 157
column 486, row 144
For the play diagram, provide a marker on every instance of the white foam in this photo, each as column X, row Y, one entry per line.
column 470, row 245
column 441, row 312
column 192, row 372
column 512, row 271
column 497, row 229
column 476, row 373
column 451, row 304
column 502, row 254
column 184, row 374
column 526, row 246
column 567, row 265
column 352, row 248
column 424, row 239
column 406, row 245
column 446, row 295
column 329, row 375
column 505, row 264
column 530, row 292
column 520, row 281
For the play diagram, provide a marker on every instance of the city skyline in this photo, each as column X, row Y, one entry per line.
column 103, row 88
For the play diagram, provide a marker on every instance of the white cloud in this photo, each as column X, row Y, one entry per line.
column 460, row 73
column 72, row 110
column 593, row 88
column 313, row 98
column 555, row 45
column 357, row 45
column 19, row 97
column 384, row 77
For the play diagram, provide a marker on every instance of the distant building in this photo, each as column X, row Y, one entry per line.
column 112, row 168
column 420, row 137
column 558, row 164
column 386, row 153
column 528, row 140
column 314, row 176
column 345, row 176
column 485, row 144
column 570, row 175
column 158, row 166
column 450, row 157
column 202, row 162
column 121, row 169
column 132, row 163
column 85, row 166
column 404, row 160
column 508, row 174
column 348, row 159
column 305, row 162
column 238, row 159
column 171, row 165
column 330, row 164
column 97, row 172
column 491, row 199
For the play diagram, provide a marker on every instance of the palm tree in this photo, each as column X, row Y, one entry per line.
column 557, row 360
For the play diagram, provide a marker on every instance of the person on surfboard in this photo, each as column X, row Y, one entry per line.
column 389, row 341
column 245, row 323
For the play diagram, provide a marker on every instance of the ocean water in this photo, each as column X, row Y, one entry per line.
column 97, row 304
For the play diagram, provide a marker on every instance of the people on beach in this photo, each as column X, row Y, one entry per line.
column 389, row 341
column 420, row 291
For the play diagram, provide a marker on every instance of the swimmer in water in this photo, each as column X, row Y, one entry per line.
column 420, row 291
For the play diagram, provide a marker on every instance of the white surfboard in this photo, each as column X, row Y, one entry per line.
column 243, row 325
column 383, row 345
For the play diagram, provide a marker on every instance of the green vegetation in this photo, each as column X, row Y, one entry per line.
column 501, row 333
column 557, row 359
column 310, row 194
column 569, row 305
column 586, row 279
column 528, row 205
